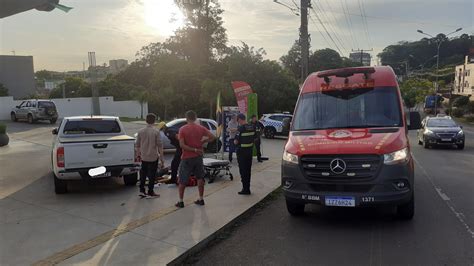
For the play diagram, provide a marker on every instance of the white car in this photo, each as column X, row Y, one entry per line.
column 273, row 124
column 178, row 123
column 83, row 143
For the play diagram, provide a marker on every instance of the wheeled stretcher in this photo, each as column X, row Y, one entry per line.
column 214, row 167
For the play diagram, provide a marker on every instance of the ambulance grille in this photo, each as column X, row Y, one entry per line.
column 359, row 167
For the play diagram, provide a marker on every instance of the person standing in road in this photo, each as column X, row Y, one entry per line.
column 150, row 149
column 244, row 142
column 258, row 131
column 192, row 136
column 172, row 135
column 232, row 130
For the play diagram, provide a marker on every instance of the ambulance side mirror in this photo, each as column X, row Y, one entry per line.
column 286, row 125
column 415, row 121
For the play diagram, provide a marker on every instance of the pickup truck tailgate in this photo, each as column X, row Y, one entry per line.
column 90, row 154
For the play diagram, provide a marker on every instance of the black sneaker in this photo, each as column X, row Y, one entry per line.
column 142, row 194
column 244, row 192
column 199, row 202
column 179, row 204
column 152, row 195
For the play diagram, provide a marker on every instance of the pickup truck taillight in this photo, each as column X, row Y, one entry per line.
column 60, row 157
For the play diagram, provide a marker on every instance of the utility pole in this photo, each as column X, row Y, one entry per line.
column 362, row 53
column 95, row 93
column 304, row 38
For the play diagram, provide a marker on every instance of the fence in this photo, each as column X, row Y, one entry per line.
column 83, row 106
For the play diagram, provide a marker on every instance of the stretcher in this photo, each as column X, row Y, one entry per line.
column 214, row 167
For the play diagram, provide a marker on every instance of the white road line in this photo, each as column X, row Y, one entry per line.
column 446, row 199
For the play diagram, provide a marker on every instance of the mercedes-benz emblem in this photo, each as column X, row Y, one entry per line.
column 338, row 166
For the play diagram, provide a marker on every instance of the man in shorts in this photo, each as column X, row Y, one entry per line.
column 192, row 136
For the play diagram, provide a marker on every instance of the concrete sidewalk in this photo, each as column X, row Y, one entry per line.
column 167, row 233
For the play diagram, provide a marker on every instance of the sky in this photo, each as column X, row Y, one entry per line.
column 119, row 28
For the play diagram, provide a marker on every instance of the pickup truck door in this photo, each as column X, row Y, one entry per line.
column 118, row 150
column 20, row 112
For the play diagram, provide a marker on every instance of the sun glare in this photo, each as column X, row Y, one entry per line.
column 163, row 16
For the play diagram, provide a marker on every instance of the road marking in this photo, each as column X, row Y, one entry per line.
column 459, row 215
column 120, row 230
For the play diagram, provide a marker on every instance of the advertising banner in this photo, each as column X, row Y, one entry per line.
column 241, row 90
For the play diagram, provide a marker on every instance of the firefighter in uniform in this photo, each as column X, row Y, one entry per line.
column 244, row 142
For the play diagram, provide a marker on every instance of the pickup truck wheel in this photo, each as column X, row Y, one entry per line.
column 13, row 117
column 60, row 186
column 30, row 119
column 269, row 132
column 130, row 180
column 295, row 209
column 407, row 210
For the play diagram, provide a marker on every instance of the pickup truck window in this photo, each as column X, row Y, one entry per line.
column 361, row 108
column 91, row 127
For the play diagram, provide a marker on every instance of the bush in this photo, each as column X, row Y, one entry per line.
column 3, row 128
column 470, row 107
column 470, row 119
column 461, row 101
column 457, row 112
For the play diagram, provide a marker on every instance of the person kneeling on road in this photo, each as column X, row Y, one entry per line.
column 244, row 142
column 191, row 139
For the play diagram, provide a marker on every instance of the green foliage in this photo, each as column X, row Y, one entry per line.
column 461, row 102
column 457, row 112
column 318, row 60
column 3, row 90
column 415, row 90
column 3, row 128
column 420, row 54
column 75, row 87
column 470, row 107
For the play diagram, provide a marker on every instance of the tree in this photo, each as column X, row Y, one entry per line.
column 3, row 90
column 142, row 97
column 292, row 60
column 74, row 87
column 415, row 90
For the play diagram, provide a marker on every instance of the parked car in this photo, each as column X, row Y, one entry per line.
column 176, row 124
column 348, row 145
column 35, row 110
column 82, row 143
column 440, row 131
column 273, row 124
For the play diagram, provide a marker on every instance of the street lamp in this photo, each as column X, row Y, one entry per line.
column 439, row 41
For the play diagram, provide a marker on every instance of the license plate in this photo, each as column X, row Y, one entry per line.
column 107, row 174
column 446, row 139
column 340, row 201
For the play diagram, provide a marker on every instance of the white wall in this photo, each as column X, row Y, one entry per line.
column 83, row 106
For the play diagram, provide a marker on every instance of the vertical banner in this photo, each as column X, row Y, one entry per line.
column 228, row 112
column 241, row 90
column 252, row 109
column 219, row 119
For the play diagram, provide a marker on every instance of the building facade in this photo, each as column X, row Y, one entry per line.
column 364, row 58
column 17, row 75
column 464, row 78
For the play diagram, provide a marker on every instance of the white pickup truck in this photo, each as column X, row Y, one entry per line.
column 83, row 143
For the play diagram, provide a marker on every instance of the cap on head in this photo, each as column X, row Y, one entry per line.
column 150, row 118
column 161, row 125
column 241, row 117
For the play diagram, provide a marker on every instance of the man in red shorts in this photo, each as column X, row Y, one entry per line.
column 191, row 139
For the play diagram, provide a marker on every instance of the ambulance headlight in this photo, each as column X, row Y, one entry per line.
column 400, row 156
column 290, row 158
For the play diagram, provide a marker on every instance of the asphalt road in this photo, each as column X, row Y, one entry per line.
column 441, row 232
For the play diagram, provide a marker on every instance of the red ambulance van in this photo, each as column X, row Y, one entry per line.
column 348, row 144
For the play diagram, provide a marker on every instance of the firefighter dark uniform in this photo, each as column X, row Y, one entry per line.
column 245, row 139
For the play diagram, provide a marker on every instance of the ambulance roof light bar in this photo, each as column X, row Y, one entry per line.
column 345, row 73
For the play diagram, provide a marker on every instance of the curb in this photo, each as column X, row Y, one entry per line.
column 205, row 243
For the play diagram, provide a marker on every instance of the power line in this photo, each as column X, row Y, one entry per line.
column 363, row 18
column 326, row 30
column 349, row 23
column 366, row 23
column 339, row 24
column 320, row 31
column 336, row 37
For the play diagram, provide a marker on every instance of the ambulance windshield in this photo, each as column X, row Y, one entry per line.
column 358, row 108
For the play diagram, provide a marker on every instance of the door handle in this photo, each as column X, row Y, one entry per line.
column 100, row 146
